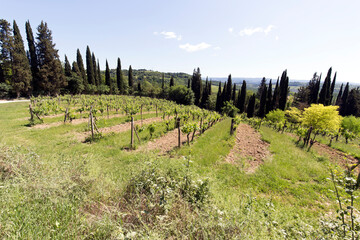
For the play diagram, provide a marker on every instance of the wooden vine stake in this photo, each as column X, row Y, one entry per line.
column 31, row 113
column 91, row 123
column 179, row 132
column 132, row 133
column 232, row 126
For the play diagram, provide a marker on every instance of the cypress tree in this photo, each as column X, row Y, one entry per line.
column 338, row 99
column 34, row 64
column 284, row 83
column 343, row 104
column 120, row 77
column 228, row 96
column 80, row 64
column 21, row 73
column 172, row 82
column 163, row 81
column 75, row 68
column 224, row 94
column 261, row 87
column 196, row 85
column 233, row 95
column 6, row 46
column 50, row 73
column 210, row 90
column 98, row 73
column 67, row 67
column 205, row 94
column 93, row 59
column 89, row 67
column 75, row 83
column 242, row 98
column 353, row 103
column 218, row 99
column 251, row 106
column 324, row 96
column 261, row 112
column 107, row 77
column 131, row 80
column 139, row 89
column 275, row 100
column 189, row 83
column 332, row 89
column 313, row 87
column 268, row 106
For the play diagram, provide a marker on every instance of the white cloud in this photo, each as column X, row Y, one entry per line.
column 193, row 48
column 169, row 35
column 217, row 48
column 230, row 30
column 277, row 38
column 251, row 31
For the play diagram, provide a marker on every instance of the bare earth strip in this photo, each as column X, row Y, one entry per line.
column 250, row 147
column 118, row 128
column 165, row 143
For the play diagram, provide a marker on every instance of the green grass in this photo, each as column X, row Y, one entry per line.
column 64, row 189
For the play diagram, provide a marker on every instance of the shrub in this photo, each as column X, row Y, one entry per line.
column 181, row 95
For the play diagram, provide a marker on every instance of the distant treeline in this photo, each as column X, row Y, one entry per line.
column 39, row 71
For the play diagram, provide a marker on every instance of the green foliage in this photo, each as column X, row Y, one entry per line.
column 276, row 116
column 181, row 95
column 293, row 115
column 229, row 109
column 322, row 118
column 151, row 129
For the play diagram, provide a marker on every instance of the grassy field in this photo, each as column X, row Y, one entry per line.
column 54, row 186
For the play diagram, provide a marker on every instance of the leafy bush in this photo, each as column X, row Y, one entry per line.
column 5, row 90
column 181, row 95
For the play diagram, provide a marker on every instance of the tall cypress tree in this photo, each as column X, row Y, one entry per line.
column 189, row 83
column 120, row 77
column 163, row 81
column 251, row 106
column 353, row 103
column 233, row 95
column 284, row 85
column 261, row 112
column 275, row 100
column 89, row 67
column 93, row 59
column 75, row 83
column 324, row 96
column 80, row 64
column 268, row 106
column 218, row 99
column 338, row 99
column 228, row 96
column 343, row 104
column 210, row 90
column 21, row 73
column 131, row 80
column 205, row 94
column 196, row 85
column 34, row 64
column 6, row 46
column 224, row 95
column 67, row 67
column 261, row 87
column 242, row 98
column 172, row 82
column 107, row 77
column 51, row 74
column 98, row 73
column 313, row 87
column 332, row 89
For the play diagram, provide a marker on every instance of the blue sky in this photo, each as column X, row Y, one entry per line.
column 242, row 38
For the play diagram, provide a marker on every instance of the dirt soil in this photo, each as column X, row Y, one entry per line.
column 335, row 155
column 165, row 143
column 250, row 147
column 117, row 128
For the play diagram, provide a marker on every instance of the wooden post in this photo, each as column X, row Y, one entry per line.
column 179, row 132
column 132, row 133
column 232, row 126
column 141, row 114
column 31, row 113
column 201, row 121
column 92, row 124
column 66, row 114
